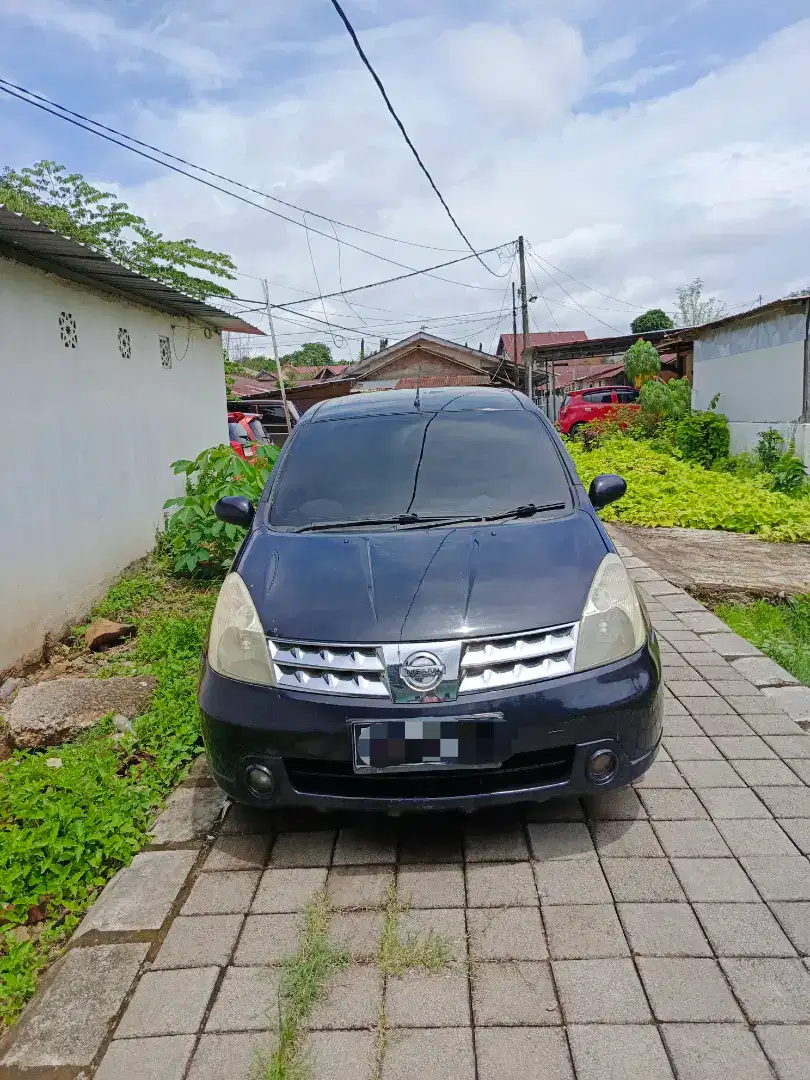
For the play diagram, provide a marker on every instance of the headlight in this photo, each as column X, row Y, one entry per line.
column 237, row 645
column 612, row 624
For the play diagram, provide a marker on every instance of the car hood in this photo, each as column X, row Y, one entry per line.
column 422, row 585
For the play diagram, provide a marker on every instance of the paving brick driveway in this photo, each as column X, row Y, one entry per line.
column 657, row 932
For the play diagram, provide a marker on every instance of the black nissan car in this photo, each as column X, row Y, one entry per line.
column 427, row 613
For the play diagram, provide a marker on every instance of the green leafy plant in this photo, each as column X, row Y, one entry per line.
column 770, row 447
column 654, row 319
column 703, row 437
column 195, row 539
column 781, row 630
column 641, row 362
column 789, row 474
column 666, row 400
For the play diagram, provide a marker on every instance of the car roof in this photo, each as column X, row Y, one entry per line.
column 431, row 400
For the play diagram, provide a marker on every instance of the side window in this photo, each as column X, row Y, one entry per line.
column 598, row 397
column 165, row 352
column 626, row 397
column 68, row 330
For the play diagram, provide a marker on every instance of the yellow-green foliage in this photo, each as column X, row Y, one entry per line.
column 663, row 490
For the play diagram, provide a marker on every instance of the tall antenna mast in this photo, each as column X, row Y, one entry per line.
column 416, row 401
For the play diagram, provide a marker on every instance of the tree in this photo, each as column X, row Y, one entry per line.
column 69, row 205
column 641, row 362
column 654, row 319
column 311, row 354
column 693, row 308
column 798, row 292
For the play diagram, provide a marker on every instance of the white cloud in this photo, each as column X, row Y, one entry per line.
column 635, row 82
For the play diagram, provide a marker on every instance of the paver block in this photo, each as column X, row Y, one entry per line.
column 663, row 930
column 168, row 1003
column 794, row 700
column 697, row 748
column 733, row 803
column 571, row 881
column 790, row 747
column 795, row 921
column 757, row 836
column 703, row 774
column 786, row 802
column 800, row 767
column 714, row 881
column 642, row 880
column 429, row 1054
column 515, row 1053
column 560, row 840
column 141, row 895
column 500, row 885
column 359, row 886
column 762, row 671
column 374, row 843
column 730, row 646
column 494, row 842
column 622, row 1052
column 248, row 819
column 441, row 843
column 627, row 839
column 708, row 1051
column 201, row 941
column 247, row 1000
column 226, row 893
column 600, row 992
column 662, row 774
column 448, row 924
column 724, row 723
column 673, row 805
column 67, row 1023
column 744, row 747
column 507, row 934
column 191, row 813
column 554, row 810
column 690, row 839
column 519, row 993
column 431, row 886
column 283, row 891
column 687, row 990
column 689, row 688
column 239, row 852
column 743, row 930
column 293, row 849
column 770, row 722
column 163, row 1058
column 268, row 939
column 235, row 1056
column 798, row 829
column 356, row 932
column 771, row 991
column 351, row 1000
column 428, row 999
column 780, row 877
column 339, row 1055
column 762, row 773
column 703, row 622
column 623, row 804
column 729, row 686
column 682, row 726
column 584, row 932
column 788, row 1047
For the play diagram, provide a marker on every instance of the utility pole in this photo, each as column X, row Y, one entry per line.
column 524, row 303
column 281, row 387
column 514, row 336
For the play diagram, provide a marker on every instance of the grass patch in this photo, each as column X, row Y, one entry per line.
column 781, row 631
column 398, row 954
column 303, row 984
column 64, row 832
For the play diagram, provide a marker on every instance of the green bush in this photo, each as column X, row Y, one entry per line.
column 664, row 490
column 789, row 474
column 667, row 400
column 782, row 631
column 703, row 437
column 195, row 539
column 770, row 447
column 641, row 361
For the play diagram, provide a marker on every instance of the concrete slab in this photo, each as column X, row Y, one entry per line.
column 706, row 1051
column 168, row 1003
column 190, row 814
column 514, row 1053
column 762, row 671
column 163, row 1058
column 428, row 1054
column 626, row 1051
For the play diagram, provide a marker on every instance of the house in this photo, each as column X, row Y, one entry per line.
column 108, row 377
column 427, row 360
column 758, row 362
column 510, row 348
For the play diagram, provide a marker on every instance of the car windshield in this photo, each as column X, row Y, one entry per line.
column 450, row 464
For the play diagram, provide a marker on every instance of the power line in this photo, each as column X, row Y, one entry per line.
column 225, row 191
column 220, row 176
column 568, row 294
column 543, row 298
column 401, row 126
column 584, row 286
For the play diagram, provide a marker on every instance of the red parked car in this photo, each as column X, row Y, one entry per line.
column 244, row 432
column 580, row 407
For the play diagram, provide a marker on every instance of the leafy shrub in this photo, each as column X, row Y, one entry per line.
column 703, row 437
column 770, row 447
column 668, row 400
column 196, row 540
column 654, row 319
column 641, row 361
column 789, row 474
column 663, row 490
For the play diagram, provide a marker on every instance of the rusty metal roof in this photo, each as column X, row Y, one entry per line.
column 36, row 245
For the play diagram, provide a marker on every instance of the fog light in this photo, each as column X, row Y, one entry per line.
column 260, row 780
column 601, row 766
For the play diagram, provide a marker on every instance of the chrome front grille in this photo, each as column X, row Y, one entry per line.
column 519, row 658
column 470, row 666
column 329, row 669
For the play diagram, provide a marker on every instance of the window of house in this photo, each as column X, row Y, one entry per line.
column 124, row 343
column 68, row 331
column 165, row 352
column 598, row 397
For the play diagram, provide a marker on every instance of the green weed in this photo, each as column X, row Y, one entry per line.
column 782, row 631
column 399, row 954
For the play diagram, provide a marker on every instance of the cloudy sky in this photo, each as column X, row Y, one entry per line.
column 636, row 145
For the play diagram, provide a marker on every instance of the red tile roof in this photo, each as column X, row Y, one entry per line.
column 432, row 381
column 552, row 337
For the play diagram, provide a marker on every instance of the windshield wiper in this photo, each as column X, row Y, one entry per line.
column 398, row 519
column 527, row 510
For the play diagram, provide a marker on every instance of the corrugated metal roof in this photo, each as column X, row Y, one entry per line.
column 36, row 245
column 549, row 337
column 440, row 381
column 690, row 332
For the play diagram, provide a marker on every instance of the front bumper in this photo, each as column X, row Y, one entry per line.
column 553, row 727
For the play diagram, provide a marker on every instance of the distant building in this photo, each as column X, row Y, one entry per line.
column 425, row 359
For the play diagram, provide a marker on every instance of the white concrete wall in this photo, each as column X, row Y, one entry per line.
column 86, row 443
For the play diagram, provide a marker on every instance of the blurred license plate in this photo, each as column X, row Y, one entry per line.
column 465, row 742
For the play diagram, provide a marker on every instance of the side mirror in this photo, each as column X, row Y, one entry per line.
column 235, row 510
column 606, row 488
